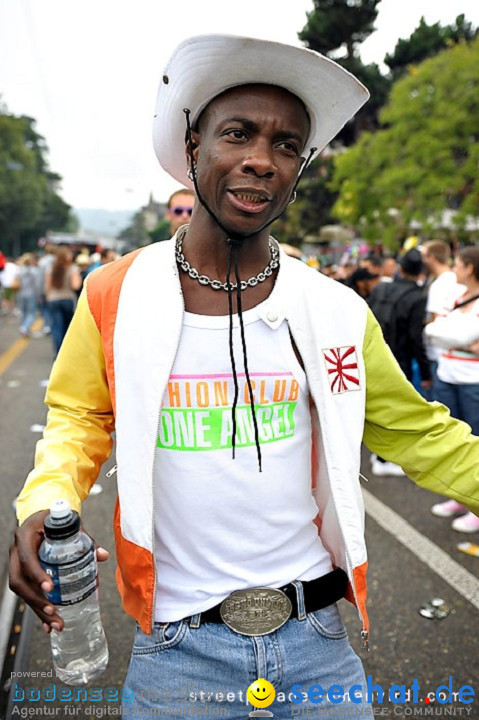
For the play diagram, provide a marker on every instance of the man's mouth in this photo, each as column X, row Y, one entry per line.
column 248, row 201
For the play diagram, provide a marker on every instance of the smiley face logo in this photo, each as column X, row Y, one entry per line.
column 261, row 693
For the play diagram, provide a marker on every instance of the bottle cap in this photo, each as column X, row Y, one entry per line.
column 60, row 510
column 63, row 522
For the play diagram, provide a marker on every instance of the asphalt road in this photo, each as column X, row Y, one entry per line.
column 405, row 570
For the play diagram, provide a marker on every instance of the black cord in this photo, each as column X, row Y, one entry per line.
column 232, row 357
column 245, row 361
column 235, row 241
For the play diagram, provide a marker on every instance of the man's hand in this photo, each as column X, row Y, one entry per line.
column 26, row 576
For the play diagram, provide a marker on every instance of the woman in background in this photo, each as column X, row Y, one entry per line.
column 458, row 374
column 61, row 282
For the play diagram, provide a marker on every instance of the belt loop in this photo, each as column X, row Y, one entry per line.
column 195, row 621
column 300, row 599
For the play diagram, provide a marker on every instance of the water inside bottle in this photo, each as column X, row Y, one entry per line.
column 82, row 637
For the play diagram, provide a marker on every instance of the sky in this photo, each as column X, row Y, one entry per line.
column 88, row 72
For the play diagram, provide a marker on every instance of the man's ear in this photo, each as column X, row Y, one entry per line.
column 195, row 143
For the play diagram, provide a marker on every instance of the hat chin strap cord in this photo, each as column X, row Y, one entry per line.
column 235, row 242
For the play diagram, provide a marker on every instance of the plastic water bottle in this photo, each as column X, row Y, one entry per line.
column 80, row 650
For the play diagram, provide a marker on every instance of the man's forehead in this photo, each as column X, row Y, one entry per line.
column 253, row 90
column 181, row 198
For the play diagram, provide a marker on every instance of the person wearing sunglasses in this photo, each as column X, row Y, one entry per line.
column 179, row 208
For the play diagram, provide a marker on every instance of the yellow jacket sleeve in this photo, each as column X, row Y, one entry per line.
column 436, row 451
column 77, row 437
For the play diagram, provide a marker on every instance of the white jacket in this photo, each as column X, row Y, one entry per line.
column 113, row 369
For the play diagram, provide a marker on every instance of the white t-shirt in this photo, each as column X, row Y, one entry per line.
column 9, row 274
column 456, row 366
column 440, row 294
column 220, row 524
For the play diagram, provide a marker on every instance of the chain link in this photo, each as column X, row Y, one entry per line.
column 217, row 284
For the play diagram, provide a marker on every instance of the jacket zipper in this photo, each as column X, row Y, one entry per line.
column 364, row 632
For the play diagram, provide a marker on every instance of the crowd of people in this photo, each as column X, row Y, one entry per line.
column 427, row 304
column 47, row 285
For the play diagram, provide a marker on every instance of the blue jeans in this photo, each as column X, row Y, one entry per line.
column 185, row 670
column 28, row 307
column 462, row 401
column 61, row 312
column 45, row 310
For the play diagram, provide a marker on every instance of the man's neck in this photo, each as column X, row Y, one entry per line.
column 440, row 270
column 206, row 248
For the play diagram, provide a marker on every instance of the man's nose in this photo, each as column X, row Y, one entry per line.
column 259, row 159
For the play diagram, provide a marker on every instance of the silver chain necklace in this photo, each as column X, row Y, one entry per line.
column 217, row 284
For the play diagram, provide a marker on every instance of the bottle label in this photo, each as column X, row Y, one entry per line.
column 74, row 581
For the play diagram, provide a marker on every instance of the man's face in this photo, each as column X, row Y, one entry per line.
column 249, row 145
column 180, row 210
column 390, row 267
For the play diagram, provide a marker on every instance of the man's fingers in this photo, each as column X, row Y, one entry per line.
column 29, row 591
column 102, row 554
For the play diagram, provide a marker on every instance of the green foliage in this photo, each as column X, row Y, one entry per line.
column 161, row 232
column 312, row 208
column 335, row 28
column 425, row 159
column 136, row 232
column 334, row 24
column 29, row 204
column 426, row 41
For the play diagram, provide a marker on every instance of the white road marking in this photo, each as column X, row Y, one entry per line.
column 37, row 428
column 428, row 552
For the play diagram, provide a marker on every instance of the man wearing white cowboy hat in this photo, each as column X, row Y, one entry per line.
column 240, row 384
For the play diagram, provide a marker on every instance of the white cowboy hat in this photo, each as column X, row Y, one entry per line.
column 204, row 66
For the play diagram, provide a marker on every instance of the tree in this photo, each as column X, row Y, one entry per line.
column 425, row 158
column 312, row 208
column 136, row 233
column 426, row 41
column 161, row 232
column 29, row 203
column 336, row 28
column 335, row 24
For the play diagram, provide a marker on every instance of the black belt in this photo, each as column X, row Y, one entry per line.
column 318, row 594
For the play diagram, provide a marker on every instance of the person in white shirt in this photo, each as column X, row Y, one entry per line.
column 457, row 383
column 10, row 286
column 437, row 258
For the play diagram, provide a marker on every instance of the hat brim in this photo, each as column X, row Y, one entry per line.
column 204, row 66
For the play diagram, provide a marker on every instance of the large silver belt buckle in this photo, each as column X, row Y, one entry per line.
column 256, row 611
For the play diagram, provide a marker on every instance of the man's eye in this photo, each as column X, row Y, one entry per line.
column 289, row 146
column 236, row 134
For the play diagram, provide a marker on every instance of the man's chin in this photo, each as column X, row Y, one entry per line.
column 247, row 227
